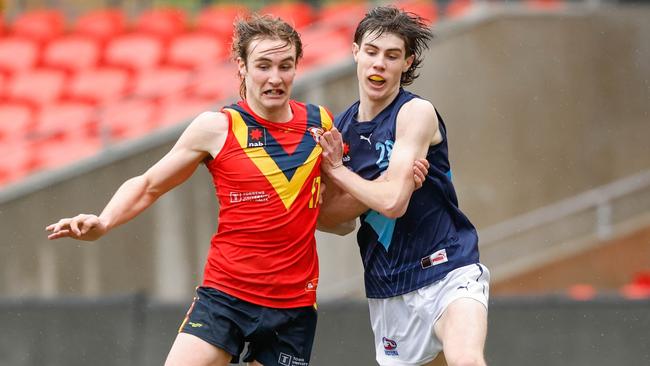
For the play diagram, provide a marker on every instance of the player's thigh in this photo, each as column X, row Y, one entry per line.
column 190, row 350
column 462, row 328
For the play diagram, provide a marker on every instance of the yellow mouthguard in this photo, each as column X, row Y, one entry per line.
column 376, row 78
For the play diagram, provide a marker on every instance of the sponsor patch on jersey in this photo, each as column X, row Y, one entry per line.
column 315, row 133
column 311, row 285
column 256, row 137
column 346, row 152
column 390, row 346
column 434, row 259
column 258, row 196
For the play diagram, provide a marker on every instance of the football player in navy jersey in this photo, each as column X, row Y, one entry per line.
column 426, row 289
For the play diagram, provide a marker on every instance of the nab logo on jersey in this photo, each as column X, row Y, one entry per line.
column 390, row 346
column 256, row 137
column 346, row 152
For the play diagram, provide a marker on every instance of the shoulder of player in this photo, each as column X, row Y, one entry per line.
column 214, row 122
column 417, row 111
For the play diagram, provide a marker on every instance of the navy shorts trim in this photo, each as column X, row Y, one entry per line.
column 275, row 337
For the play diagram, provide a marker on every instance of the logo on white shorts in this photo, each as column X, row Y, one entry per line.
column 390, row 346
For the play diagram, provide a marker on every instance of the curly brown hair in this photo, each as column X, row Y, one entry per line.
column 257, row 27
column 410, row 27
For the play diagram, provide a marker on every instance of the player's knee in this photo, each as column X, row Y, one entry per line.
column 465, row 360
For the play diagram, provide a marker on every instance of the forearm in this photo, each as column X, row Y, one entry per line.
column 133, row 197
column 388, row 197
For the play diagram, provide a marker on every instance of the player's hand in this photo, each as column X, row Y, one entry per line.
column 81, row 227
column 332, row 144
column 420, row 168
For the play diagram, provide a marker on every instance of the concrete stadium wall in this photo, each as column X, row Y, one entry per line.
column 134, row 331
column 539, row 107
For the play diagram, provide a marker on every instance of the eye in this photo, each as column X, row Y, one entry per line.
column 263, row 66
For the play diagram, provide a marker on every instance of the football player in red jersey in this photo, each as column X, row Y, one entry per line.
column 264, row 157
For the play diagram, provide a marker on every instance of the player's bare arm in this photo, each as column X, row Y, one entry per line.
column 204, row 136
column 417, row 129
column 339, row 209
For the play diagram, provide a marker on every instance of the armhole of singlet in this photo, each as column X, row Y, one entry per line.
column 229, row 137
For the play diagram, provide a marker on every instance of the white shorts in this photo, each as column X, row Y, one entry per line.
column 404, row 325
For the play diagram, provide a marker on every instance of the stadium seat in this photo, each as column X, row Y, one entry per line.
column 40, row 25
column 545, row 4
column 134, row 51
column 72, row 53
column 129, row 118
column 101, row 24
column 17, row 54
column 181, row 110
column 342, row 16
column 161, row 82
column 428, row 10
column 322, row 46
column 15, row 120
column 215, row 82
column 298, row 14
column 457, row 8
column 219, row 19
column 55, row 153
column 196, row 49
column 98, row 85
column 17, row 160
column 66, row 119
column 37, row 86
column 162, row 22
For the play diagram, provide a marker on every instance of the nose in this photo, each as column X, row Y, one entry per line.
column 379, row 63
column 275, row 78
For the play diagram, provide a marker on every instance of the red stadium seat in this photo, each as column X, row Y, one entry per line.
column 162, row 22
column 17, row 160
column 72, row 53
column 545, row 4
column 298, row 14
column 343, row 16
column 219, row 19
column 98, row 85
column 130, row 118
column 40, row 25
column 193, row 50
column 66, row 119
column 37, row 86
column 15, row 120
column 322, row 46
column 181, row 110
column 458, row 8
column 215, row 82
column 101, row 24
column 135, row 51
column 428, row 10
column 160, row 82
column 56, row 153
column 17, row 54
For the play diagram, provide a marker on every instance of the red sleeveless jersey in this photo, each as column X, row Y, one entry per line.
column 267, row 179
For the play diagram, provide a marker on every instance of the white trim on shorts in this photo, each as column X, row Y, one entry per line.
column 403, row 325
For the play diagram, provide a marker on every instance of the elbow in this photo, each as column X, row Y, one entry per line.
column 394, row 209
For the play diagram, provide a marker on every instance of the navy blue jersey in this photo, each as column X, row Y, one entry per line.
column 433, row 237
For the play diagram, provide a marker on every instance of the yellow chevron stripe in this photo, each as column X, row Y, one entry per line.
column 326, row 121
column 286, row 190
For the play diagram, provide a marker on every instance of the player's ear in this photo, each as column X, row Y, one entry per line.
column 408, row 62
column 241, row 67
column 355, row 51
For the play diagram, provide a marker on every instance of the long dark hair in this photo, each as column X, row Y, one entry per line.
column 410, row 27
